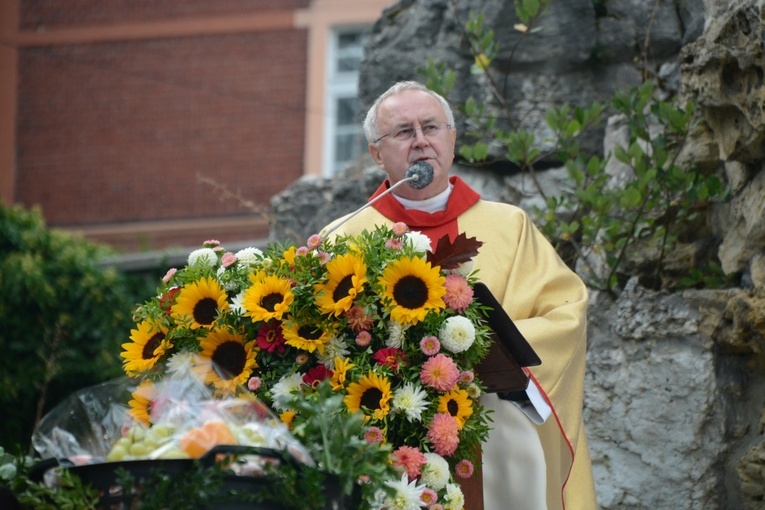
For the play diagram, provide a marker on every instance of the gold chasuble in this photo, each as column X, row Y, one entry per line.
column 547, row 302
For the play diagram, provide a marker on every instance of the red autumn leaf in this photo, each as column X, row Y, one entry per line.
column 450, row 254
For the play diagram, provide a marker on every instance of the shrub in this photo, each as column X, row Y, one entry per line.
column 62, row 319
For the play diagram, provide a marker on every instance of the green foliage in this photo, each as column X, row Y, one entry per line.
column 62, row 318
column 70, row 494
column 335, row 440
column 605, row 222
column 594, row 222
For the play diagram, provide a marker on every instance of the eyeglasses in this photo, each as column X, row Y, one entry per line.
column 403, row 134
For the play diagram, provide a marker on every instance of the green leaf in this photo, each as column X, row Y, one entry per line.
column 480, row 151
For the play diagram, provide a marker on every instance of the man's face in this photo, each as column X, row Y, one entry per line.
column 414, row 109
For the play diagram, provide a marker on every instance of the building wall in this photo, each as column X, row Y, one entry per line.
column 119, row 131
column 149, row 124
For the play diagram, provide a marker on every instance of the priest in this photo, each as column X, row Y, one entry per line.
column 536, row 457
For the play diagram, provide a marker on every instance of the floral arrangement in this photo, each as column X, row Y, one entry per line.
column 384, row 319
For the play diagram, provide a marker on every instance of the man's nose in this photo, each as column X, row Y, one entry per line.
column 420, row 140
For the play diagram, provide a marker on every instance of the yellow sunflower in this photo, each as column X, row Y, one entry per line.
column 342, row 365
column 269, row 297
column 371, row 394
column 289, row 255
column 226, row 361
column 140, row 406
column 347, row 275
column 456, row 403
column 412, row 288
column 308, row 338
column 200, row 302
column 147, row 347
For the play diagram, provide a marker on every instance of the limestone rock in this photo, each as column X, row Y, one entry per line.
column 723, row 71
column 654, row 425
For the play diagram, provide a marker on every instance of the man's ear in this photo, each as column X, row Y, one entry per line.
column 374, row 150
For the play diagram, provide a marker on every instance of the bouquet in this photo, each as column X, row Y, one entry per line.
column 386, row 321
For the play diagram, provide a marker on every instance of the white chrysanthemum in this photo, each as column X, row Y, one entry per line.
column 248, row 256
column 282, row 392
column 419, row 241
column 203, row 257
column 410, row 400
column 181, row 363
column 396, row 334
column 407, row 496
column 454, row 499
column 335, row 347
column 457, row 334
column 473, row 391
column 237, row 304
column 435, row 472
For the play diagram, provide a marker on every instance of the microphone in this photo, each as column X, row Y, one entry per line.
column 420, row 173
column 418, row 176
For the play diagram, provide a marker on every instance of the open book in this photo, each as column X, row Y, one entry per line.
column 502, row 369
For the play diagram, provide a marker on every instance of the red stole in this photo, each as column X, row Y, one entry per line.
column 433, row 225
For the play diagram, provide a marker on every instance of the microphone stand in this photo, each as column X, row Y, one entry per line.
column 414, row 178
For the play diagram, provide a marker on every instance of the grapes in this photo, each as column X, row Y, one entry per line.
column 141, row 443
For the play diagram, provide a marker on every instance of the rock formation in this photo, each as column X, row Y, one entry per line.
column 676, row 380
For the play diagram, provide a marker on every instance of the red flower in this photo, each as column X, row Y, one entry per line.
column 168, row 299
column 270, row 337
column 389, row 356
column 317, row 374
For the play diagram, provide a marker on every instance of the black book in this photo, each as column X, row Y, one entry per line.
column 502, row 368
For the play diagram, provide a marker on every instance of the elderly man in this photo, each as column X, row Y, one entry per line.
column 537, row 455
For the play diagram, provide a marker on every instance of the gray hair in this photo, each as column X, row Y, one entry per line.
column 371, row 126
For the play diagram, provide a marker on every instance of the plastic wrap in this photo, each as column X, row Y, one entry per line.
column 174, row 418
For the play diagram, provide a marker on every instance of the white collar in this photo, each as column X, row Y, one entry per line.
column 429, row 205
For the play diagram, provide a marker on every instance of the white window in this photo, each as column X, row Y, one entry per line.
column 343, row 135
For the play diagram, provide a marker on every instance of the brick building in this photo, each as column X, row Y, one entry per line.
column 130, row 120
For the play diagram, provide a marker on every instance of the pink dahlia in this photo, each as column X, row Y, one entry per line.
column 458, row 295
column 464, row 468
column 443, row 434
column 363, row 338
column 400, row 228
column 373, row 435
column 430, row 345
column 410, row 459
column 440, row 372
column 429, row 497
column 314, row 241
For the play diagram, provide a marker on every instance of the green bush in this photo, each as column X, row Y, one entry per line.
column 594, row 225
column 62, row 319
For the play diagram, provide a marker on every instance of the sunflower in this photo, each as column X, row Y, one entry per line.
column 456, row 403
column 149, row 344
column 412, row 288
column 342, row 365
column 201, row 302
column 308, row 337
column 269, row 297
column 225, row 361
column 140, row 406
column 371, row 394
column 347, row 276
